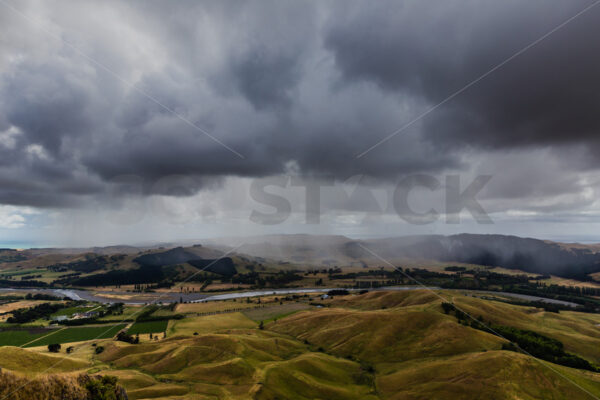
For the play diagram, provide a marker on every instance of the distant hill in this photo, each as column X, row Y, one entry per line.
column 222, row 266
column 177, row 255
column 569, row 260
column 531, row 255
column 300, row 249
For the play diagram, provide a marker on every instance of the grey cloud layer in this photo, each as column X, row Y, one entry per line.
column 311, row 85
column 546, row 95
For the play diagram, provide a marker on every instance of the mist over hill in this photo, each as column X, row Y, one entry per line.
column 569, row 260
column 527, row 254
column 532, row 255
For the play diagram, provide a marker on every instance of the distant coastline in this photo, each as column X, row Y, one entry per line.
column 22, row 245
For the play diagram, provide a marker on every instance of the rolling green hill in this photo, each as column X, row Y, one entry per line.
column 378, row 345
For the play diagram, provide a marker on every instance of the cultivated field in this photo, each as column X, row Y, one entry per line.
column 212, row 306
column 148, row 327
column 210, row 323
column 269, row 313
column 78, row 334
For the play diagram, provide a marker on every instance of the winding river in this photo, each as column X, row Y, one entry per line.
column 170, row 297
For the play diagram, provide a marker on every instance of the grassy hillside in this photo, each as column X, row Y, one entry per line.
column 418, row 353
column 378, row 345
column 29, row 362
column 579, row 332
column 385, row 336
column 210, row 323
column 385, row 300
column 229, row 364
column 491, row 375
column 315, row 375
column 63, row 387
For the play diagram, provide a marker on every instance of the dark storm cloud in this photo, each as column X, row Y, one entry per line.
column 46, row 103
column 265, row 78
column 547, row 95
column 286, row 85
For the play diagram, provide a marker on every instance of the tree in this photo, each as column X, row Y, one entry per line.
column 124, row 337
column 261, row 326
column 105, row 388
column 447, row 307
column 54, row 347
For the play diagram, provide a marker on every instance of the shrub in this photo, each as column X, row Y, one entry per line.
column 124, row 337
column 447, row 307
column 54, row 347
column 43, row 310
column 338, row 292
column 105, row 388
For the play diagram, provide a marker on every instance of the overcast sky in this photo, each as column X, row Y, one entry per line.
column 153, row 120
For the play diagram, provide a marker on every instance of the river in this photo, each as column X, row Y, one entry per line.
column 171, row 297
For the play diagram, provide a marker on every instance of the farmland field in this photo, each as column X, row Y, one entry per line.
column 272, row 312
column 78, row 334
column 211, row 323
column 129, row 312
column 20, row 337
column 148, row 327
column 73, row 310
column 212, row 306
column 16, row 305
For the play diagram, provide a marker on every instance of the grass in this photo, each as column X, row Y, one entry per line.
column 493, row 374
column 16, row 305
column 385, row 300
column 556, row 280
column 17, row 272
column 30, row 362
column 20, row 337
column 212, row 306
column 270, row 313
column 148, row 327
column 79, row 334
column 313, row 376
column 73, row 310
column 220, row 365
column 578, row 331
column 129, row 313
column 163, row 312
column 209, row 323
column 16, row 386
column 384, row 336
column 392, row 345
